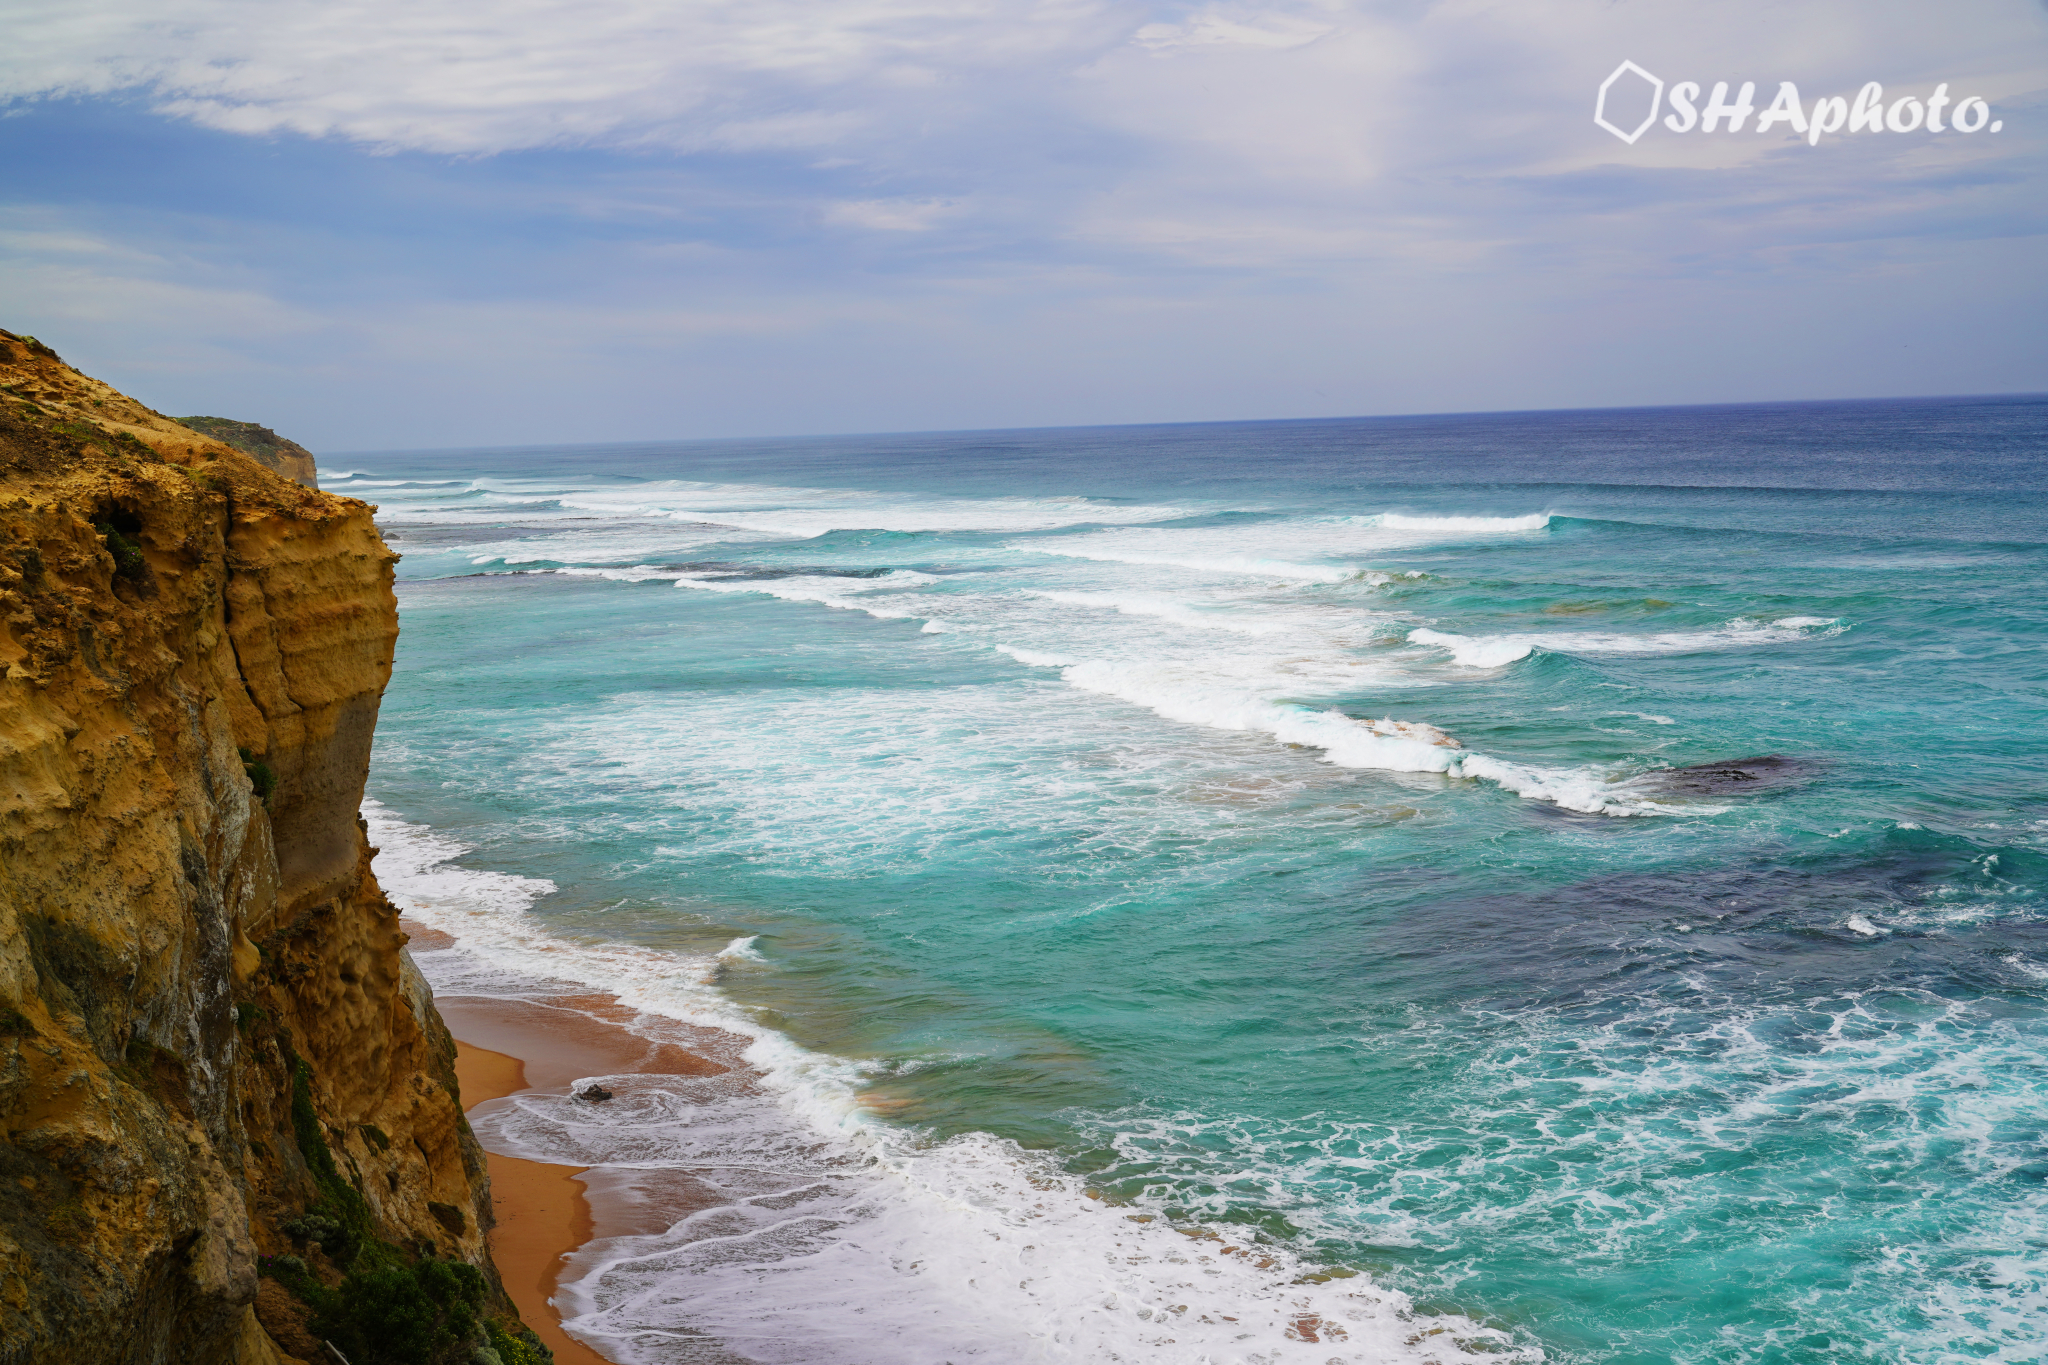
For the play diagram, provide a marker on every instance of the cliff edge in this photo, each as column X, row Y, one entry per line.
column 229, row 1124
column 260, row 443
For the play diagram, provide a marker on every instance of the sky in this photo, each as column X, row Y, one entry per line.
column 379, row 224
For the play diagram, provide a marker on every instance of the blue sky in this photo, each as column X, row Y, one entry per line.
column 443, row 222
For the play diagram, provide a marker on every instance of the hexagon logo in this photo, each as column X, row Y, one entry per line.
column 1656, row 102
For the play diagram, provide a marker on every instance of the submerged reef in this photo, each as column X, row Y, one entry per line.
column 230, row 1130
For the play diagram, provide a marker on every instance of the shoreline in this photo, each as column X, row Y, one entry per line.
column 541, row 1212
column 546, row 1212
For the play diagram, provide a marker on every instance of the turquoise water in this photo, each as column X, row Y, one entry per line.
column 1018, row 795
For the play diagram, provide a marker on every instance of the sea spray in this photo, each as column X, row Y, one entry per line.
column 1615, row 1087
column 959, row 1248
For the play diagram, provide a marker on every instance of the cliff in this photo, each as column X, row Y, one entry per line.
column 216, row 1058
column 261, row 444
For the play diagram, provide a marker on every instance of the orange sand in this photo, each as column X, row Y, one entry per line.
column 544, row 1211
column 541, row 1212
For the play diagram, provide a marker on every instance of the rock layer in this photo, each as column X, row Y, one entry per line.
column 194, row 652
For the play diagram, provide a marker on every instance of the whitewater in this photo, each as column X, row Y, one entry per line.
column 1546, row 887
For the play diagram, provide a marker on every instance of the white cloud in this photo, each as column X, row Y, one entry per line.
column 891, row 215
column 1246, row 191
column 459, row 76
column 1218, row 29
column 478, row 77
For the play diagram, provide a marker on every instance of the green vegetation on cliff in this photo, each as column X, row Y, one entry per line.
column 393, row 1307
column 265, row 446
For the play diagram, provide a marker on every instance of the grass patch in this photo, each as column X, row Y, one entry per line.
column 259, row 774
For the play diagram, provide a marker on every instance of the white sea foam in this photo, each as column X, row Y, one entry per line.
column 742, row 950
column 1179, row 612
column 742, row 511
column 1581, row 789
column 870, row 1234
column 1461, row 526
column 1485, row 651
column 607, row 544
column 1032, row 658
column 1299, row 549
column 1495, row 651
column 802, row 513
column 1242, row 690
column 876, row 596
column 1222, row 697
column 638, row 573
column 1589, row 1106
column 1209, row 695
column 1226, row 564
column 1136, row 641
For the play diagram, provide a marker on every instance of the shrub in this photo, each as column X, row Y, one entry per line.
column 259, row 774
column 395, row 1314
column 517, row 1347
column 127, row 554
column 317, row 1228
column 389, row 1310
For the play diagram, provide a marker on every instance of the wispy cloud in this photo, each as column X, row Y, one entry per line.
column 455, row 76
column 1240, row 195
column 892, row 215
column 1313, row 121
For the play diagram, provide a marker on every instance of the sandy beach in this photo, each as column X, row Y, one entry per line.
column 545, row 1212
column 541, row 1211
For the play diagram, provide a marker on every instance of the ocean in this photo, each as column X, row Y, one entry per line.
column 1553, row 886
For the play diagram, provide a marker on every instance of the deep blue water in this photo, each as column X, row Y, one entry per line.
column 1664, row 979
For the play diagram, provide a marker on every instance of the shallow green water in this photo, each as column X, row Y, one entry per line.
column 1030, row 765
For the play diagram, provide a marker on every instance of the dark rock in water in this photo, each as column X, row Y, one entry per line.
column 595, row 1094
column 1766, row 772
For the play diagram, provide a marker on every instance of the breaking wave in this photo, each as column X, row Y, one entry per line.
column 971, row 1247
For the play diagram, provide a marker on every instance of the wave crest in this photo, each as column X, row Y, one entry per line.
column 1399, row 521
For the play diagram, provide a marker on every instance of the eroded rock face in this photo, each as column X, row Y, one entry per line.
column 180, row 627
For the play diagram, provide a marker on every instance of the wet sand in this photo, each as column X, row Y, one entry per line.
column 541, row 1212
column 546, row 1212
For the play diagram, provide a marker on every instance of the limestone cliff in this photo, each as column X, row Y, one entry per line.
column 261, row 444
column 215, row 1055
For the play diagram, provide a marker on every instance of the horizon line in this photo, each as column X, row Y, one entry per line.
column 2029, row 395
